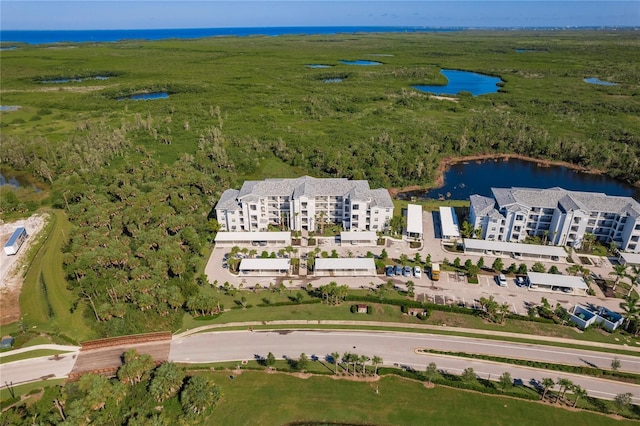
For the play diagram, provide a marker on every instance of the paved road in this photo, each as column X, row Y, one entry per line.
column 399, row 348
column 34, row 369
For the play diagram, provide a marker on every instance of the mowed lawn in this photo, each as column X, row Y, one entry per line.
column 258, row 398
column 45, row 301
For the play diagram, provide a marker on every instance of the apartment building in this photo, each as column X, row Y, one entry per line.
column 559, row 216
column 304, row 203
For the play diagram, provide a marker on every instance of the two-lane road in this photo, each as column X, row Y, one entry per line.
column 401, row 348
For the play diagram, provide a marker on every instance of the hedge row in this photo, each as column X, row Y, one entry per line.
column 304, row 302
column 577, row 369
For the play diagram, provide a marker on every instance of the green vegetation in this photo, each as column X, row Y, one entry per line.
column 30, row 354
column 46, row 303
column 331, row 401
column 137, row 179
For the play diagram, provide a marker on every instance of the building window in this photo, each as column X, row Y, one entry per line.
column 355, row 206
column 637, row 228
column 253, row 207
column 519, row 217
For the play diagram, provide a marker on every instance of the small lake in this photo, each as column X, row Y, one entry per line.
column 318, row 66
column 465, row 179
column 332, row 80
column 9, row 108
column 463, row 81
column 8, row 48
column 595, row 80
column 360, row 62
column 146, row 96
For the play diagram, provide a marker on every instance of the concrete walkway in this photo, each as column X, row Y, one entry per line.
column 357, row 324
column 41, row 347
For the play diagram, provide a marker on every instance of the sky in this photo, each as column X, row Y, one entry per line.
column 145, row 14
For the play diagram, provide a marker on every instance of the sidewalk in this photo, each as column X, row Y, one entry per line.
column 414, row 326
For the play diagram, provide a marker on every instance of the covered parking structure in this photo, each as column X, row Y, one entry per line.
column 279, row 239
column 515, row 250
column 449, row 223
column 629, row 259
column 556, row 282
column 414, row 221
column 345, row 266
column 264, row 267
column 364, row 238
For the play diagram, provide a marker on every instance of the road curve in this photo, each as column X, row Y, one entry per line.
column 400, row 348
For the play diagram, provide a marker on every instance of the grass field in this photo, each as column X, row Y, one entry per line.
column 45, row 301
column 275, row 399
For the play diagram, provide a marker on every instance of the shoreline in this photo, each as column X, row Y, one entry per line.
column 447, row 162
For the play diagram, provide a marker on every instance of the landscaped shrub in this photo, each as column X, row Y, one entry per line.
column 354, row 309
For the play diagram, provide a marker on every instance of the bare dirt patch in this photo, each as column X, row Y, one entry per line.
column 13, row 268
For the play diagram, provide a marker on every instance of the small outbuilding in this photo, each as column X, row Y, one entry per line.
column 15, row 241
column 361, row 308
column 6, row 342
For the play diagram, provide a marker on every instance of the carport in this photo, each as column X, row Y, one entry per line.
column 515, row 250
column 414, row 221
column 280, row 239
column 364, row 238
column 546, row 282
column 629, row 259
column 264, row 267
column 345, row 266
column 449, row 223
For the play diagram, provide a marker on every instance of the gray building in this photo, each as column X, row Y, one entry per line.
column 304, row 203
column 559, row 216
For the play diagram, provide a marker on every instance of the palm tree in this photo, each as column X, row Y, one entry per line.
column 504, row 310
column 565, row 385
column 547, row 383
column 431, row 371
column 354, row 359
column 579, row 393
column 631, row 308
column 634, row 276
column 620, row 271
column 364, row 359
column 336, row 359
column 376, row 360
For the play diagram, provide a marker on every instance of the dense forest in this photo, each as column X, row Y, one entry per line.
column 138, row 179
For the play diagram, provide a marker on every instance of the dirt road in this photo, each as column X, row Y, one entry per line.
column 13, row 268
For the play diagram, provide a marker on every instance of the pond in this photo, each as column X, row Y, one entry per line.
column 332, row 80
column 146, row 96
column 318, row 66
column 16, row 182
column 478, row 177
column 9, row 108
column 463, row 81
column 360, row 62
column 595, row 80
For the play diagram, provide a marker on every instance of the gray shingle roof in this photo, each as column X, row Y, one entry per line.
column 228, row 200
column 312, row 187
column 481, row 206
column 566, row 200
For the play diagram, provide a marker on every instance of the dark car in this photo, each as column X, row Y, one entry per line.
column 398, row 270
column 388, row 271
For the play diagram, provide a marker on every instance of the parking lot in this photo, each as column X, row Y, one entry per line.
column 451, row 288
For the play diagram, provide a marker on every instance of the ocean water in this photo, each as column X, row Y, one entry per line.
column 82, row 36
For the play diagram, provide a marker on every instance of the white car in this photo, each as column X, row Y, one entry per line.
column 502, row 280
column 417, row 272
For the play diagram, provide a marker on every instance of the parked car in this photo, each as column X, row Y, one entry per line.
column 417, row 272
column 388, row 270
column 567, row 290
column 520, row 281
column 555, row 288
column 406, row 271
column 398, row 270
column 502, row 280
